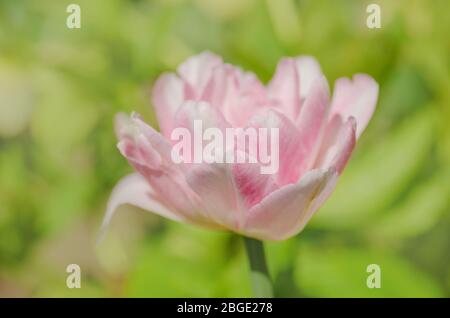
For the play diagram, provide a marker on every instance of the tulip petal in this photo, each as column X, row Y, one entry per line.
column 284, row 212
column 222, row 87
column 309, row 70
column 209, row 116
column 356, row 98
column 312, row 121
column 214, row 185
column 228, row 190
column 167, row 97
column 237, row 94
column 150, row 154
column 284, row 87
column 338, row 144
column 133, row 189
column 136, row 139
column 251, row 183
column 196, row 72
column 291, row 151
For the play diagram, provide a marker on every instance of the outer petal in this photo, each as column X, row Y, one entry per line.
column 214, row 184
column 309, row 70
column 355, row 98
column 338, row 144
column 149, row 153
column 137, row 140
column 167, row 97
column 284, row 87
column 196, row 72
column 228, row 190
column 285, row 212
column 134, row 189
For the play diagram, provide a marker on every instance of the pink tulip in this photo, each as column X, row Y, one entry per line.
column 316, row 139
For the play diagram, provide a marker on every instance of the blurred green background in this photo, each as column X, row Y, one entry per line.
column 59, row 91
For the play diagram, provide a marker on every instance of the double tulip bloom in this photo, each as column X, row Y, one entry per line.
column 316, row 138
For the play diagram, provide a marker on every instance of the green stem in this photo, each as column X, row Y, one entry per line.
column 259, row 275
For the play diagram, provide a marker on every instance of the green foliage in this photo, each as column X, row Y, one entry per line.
column 341, row 272
column 60, row 89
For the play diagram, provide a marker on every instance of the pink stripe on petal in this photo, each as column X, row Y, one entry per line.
column 251, row 184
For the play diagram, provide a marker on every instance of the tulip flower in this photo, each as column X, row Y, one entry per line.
column 316, row 136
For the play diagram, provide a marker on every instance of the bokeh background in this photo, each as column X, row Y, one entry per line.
column 59, row 91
